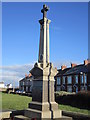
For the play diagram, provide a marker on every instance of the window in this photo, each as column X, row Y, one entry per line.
column 69, row 88
column 23, row 88
column 58, row 88
column 30, row 88
column 63, row 80
column 82, row 88
column 82, row 79
column 23, row 82
column 58, row 80
column 27, row 83
column 76, row 89
column 85, row 88
column 63, row 88
column 27, row 89
column 76, row 78
column 85, row 78
column 69, row 79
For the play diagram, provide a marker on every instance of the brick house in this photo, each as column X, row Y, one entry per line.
column 73, row 79
column 26, row 83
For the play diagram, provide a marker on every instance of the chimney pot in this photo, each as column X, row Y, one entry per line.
column 30, row 75
column 63, row 67
column 86, row 62
column 73, row 65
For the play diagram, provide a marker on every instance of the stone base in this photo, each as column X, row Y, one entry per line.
column 43, row 114
column 39, row 115
column 20, row 117
column 57, row 114
column 43, row 110
column 39, row 106
column 31, row 113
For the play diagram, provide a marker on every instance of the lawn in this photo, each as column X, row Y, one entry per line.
column 14, row 101
column 73, row 109
column 18, row 102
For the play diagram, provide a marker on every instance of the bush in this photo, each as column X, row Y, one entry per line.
column 80, row 100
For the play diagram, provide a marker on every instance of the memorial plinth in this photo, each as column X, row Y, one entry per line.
column 43, row 103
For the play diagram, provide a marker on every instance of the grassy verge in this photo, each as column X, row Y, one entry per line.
column 15, row 102
column 73, row 109
column 18, row 102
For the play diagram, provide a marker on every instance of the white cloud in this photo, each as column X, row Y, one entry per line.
column 13, row 74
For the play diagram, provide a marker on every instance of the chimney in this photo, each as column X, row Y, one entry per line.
column 73, row 65
column 26, row 75
column 63, row 67
column 30, row 75
column 86, row 62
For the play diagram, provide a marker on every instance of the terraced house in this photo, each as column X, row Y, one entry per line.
column 74, row 78
column 26, row 83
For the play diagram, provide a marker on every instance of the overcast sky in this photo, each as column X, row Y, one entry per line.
column 21, row 33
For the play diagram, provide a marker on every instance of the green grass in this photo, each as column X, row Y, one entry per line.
column 73, row 109
column 18, row 102
column 63, row 93
column 14, row 102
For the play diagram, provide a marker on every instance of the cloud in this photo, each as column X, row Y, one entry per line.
column 13, row 74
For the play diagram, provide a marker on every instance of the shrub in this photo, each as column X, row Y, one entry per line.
column 80, row 100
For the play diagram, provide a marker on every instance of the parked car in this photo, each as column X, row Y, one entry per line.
column 20, row 91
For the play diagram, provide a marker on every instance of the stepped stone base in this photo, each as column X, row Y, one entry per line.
column 39, row 106
column 21, row 117
column 29, row 114
column 41, row 110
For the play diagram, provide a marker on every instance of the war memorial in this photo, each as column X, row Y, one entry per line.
column 43, row 105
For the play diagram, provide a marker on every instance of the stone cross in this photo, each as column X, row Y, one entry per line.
column 44, row 38
column 44, row 10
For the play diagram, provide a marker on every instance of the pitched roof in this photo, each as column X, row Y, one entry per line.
column 73, row 70
column 77, row 70
column 26, row 78
column 61, row 72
